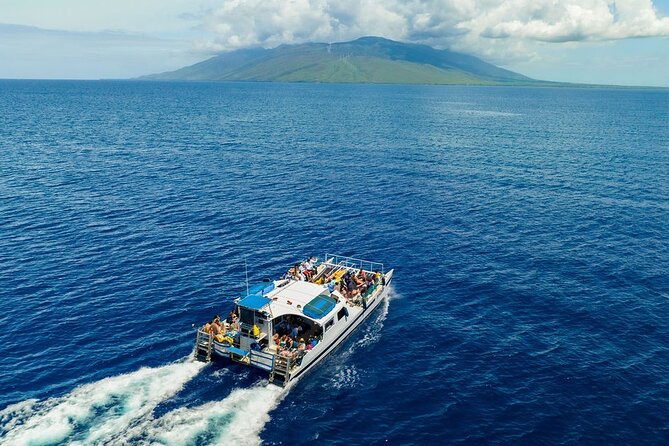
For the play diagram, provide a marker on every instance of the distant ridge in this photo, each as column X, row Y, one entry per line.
column 365, row 60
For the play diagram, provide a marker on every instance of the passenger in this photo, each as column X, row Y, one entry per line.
column 282, row 328
column 215, row 326
column 361, row 281
column 361, row 277
column 343, row 290
column 353, row 290
column 338, row 285
column 295, row 332
column 305, row 271
column 331, row 286
column 276, row 338
column 297, row 273
column 234, row 325
column 311, row 263
column 302, row 346
column 310, row 267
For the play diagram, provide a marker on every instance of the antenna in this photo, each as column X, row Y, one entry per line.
column 246, row 271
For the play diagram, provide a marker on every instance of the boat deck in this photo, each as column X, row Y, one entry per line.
column 316, row 314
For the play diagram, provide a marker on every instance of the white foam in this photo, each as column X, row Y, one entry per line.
column 120, row 409
column 92, row 413
column 238, row 419
column 346, row 378
column 488, row 113
column 371, row 332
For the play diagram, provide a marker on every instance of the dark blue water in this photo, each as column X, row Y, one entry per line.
column 529, row 229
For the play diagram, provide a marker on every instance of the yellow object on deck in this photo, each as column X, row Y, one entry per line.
column 338, row 275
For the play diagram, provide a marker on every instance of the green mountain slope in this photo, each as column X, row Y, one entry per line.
column 366, row 60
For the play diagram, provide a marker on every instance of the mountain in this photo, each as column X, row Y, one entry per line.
column 365, row 60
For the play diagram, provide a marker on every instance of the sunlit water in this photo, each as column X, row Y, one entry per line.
column 529, row 229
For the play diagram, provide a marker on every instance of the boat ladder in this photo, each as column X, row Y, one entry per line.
column 203, row 346
column 280, row 371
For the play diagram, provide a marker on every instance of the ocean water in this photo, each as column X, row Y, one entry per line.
column 528, row 228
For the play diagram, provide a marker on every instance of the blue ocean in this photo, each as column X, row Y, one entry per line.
column 528, row 229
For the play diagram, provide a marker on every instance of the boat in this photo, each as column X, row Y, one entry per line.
column 286, row 327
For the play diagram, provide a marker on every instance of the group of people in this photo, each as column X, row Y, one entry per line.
column 352, row 286
column 287, row 347
column 289, row 339
column 223, row 329
column 305, row 270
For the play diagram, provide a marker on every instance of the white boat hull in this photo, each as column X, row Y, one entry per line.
column 326, row 348
column 336, row 326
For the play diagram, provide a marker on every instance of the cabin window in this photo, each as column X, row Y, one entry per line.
column 342, row 314
column 246, row 316
column 329, row 324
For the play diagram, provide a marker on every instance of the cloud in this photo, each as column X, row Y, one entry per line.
column 478, row 26
column 569, row 21
column 244, row 23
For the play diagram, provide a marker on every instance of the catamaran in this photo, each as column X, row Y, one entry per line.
column 286, row 327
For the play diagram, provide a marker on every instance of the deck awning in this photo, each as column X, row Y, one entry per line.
column 319, row 306
column 254, row 302
column 261, row 288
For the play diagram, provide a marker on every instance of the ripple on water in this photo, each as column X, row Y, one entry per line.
column 527, row 228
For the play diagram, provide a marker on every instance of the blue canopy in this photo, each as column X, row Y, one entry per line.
column 254, row 302
column 319, row 306
column 262, row 288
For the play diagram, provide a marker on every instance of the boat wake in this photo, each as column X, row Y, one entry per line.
column 94, row 413
column 239, row 419
column 120, row 410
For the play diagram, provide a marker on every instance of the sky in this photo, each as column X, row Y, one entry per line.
column 623, row 42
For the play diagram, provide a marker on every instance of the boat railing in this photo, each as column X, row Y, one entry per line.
column 262, row 360
column 323, row 270
column 203, row 345
column 353, row 263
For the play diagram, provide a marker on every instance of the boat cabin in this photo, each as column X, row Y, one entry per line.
column 285, row 326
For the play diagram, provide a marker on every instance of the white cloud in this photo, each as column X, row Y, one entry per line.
column 479, row 26
column 243, row 23
column 511, row 33
column 569, row 21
